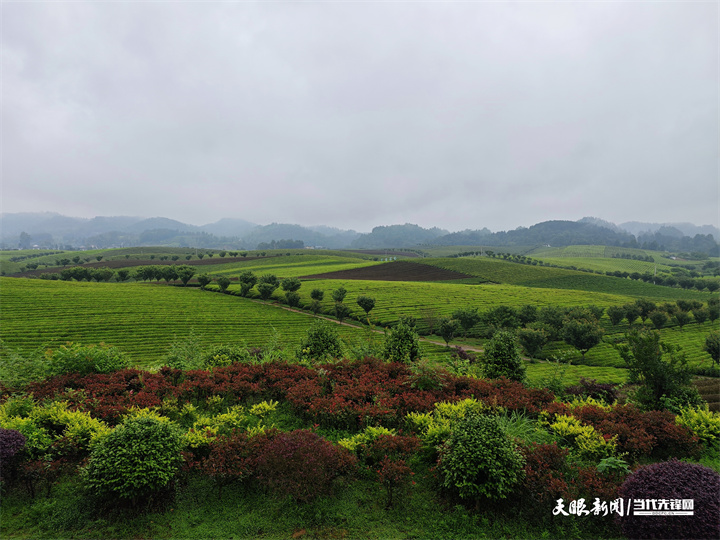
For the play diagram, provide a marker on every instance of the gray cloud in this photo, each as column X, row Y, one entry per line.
column 460, row 115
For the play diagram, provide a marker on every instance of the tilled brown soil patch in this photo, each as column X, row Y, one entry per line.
column 394, row 271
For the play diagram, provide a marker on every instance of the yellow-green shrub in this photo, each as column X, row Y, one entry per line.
column 702, row 422
column 368, row 435
column 588, row 442
column 436, row 426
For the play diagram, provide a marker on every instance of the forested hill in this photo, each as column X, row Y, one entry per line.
column 554, row 233
column 53, row 231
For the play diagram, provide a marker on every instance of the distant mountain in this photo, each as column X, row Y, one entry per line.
column 159, row 223
column 229, row 227
column 554, row 233
column 51, row 230
column 336, row 239
column 397, row 236
column 686, row 229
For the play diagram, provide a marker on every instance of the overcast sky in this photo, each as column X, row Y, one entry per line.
column 356, row 114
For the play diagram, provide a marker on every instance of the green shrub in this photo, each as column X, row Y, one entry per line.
column 479, row 460
column 136, row 461
column 85, row 359
column 502, row 358
column 321, row 342
column 224, row 355
column 402, row 344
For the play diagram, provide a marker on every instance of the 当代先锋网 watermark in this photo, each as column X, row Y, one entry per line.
column 627, row 507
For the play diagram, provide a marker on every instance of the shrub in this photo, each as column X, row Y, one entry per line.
column 11, row 443
column 136, row 461
column 402, row 343
column 671, row 481
column 300, row 464
column 661, row 370
column 606, row 392
column 321, row 342
column 224, row 355
column 546, row 471
column 229, row 460
column 502, row 358
column 85, row 359
column 479, row 460
column 589, row 443
column 702, row 422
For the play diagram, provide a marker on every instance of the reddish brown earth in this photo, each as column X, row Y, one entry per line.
column 394, row 271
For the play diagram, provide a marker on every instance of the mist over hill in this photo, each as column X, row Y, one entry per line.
column 55, row 231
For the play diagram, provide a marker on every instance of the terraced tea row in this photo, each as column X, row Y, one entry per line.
column 500, row 271
column 142, row 320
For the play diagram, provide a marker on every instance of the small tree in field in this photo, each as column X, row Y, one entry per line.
column 661, row 370
column 223, row 282
column 583, row 334
column 712, row 346
column 532, row 339
column 658, row 318
column 339, row 294
column 367, row 304
column 290, row 284
column 616, row 314
column 467, row 317
column 185, row 273
column 204, row 280
column 247, row 281
column 266, row 290
column 341, row 311
column 502, row 358
column 448, row 329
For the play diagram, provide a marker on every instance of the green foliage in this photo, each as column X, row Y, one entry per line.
column 589, row 443
column 84, row 359
column 224, row 355
column 402, row 343
column 582, row 333
column 338, row 295
column 448, row 328
column 266, row 290
column 321, row 342
column 658, row 318
column 204, row 280
column 616, row 314
column 290, row 284
column 467, row 317
column 185, row 273
column 317, row 295
column 185, row 354
column 135, row 461
column 712, row 346
column 702, row 422
column 342, row 312
column 17, row 370
column 502, row 358
column 366, row 303
column 532, row 339
column 660, row 368
column 223, row 282
column 247, row 281
column 292, row 299
column 479, row 460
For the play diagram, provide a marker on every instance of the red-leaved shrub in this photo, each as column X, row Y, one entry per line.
column 672, row 481
column 300, row 464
